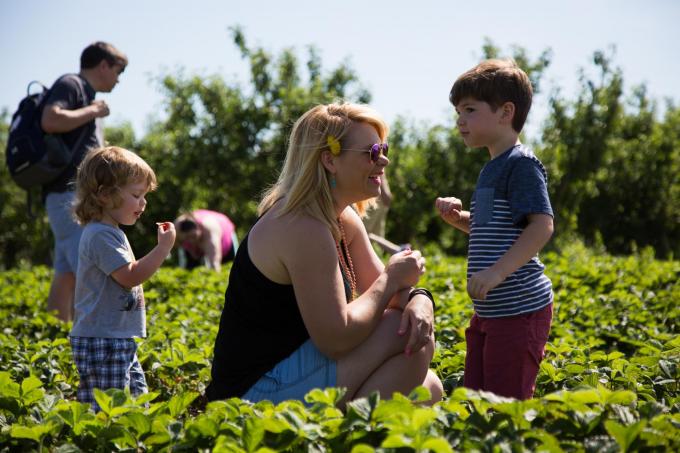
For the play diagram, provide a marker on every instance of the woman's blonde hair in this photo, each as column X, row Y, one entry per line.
column 304, row 182
column 101, row 174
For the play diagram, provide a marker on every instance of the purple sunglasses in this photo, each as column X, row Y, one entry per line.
column 375, row 150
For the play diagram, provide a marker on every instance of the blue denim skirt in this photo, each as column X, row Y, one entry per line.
column 292, row 378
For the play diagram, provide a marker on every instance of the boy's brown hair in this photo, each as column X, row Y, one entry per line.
column 103, row 172
column 496, row 82
column 97, row 51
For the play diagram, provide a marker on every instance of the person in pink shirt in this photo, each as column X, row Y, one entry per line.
column 205, row 237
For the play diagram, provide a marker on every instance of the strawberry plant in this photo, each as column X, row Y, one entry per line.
column 609, row 381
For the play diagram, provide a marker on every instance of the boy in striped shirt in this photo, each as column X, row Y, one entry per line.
column 509, row 221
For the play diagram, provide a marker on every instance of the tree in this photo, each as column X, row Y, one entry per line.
column 613, row 167
column 222, row 145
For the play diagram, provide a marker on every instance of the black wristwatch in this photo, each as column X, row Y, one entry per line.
column 415, row 291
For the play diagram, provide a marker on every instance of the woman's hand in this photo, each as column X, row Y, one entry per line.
column 418, row 321
column 399, row 300
column 405, row 268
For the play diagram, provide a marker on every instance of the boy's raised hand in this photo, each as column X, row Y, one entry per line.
column 166, row 234
column 449, row 209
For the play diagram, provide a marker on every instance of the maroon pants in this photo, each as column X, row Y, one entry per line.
column 504, row 354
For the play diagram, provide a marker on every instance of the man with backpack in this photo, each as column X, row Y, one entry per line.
column 72, row 113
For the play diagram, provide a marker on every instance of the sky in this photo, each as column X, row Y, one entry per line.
column 406, row 53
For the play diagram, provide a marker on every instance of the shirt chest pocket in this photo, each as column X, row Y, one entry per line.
column 483, row 206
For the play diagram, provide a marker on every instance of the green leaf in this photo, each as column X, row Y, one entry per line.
column 74, row 414
column 419, row 394
column 145, row 398
column 574, row 369
column 35, row 432
column 158, row 439
column 621, row 397
column 29, row 384
column 119, row 397
column 624, row 435
column 392, row 410
column 436, row 444
column 585, row 396
column 422, row 418
column 67, row 448
column 31, row 390
column 276, row 425
column 396, row 441
column 329, row 397
column 362, row 448
column 28, row 432
column 32, row 396
column 548, row 441
column 549, row 369
column 103, row 400
column 137, row 422
column 8, row 387
column 645, row 361
column 360, row 408
column 178, row 404
column 203, row 427
column 253, row 433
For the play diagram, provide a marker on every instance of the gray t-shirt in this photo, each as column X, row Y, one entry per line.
column 104, row 308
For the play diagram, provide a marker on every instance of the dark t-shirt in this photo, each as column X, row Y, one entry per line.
column 260, row 326
column 67, row 94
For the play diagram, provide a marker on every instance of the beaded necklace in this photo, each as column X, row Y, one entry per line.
column 346, row 265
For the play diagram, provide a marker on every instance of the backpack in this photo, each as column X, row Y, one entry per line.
column 35, row 158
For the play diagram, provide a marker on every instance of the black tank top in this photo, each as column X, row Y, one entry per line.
column 260, row 326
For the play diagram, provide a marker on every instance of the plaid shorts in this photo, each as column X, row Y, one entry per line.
column 105, row 363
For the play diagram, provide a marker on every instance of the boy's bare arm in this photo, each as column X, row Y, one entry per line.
column 57, row 120
column 137, row 272
column 535, row 235
column 463, row 222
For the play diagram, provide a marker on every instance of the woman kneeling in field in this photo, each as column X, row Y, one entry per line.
column 309, row 303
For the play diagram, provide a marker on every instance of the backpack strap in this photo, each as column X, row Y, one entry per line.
column 85, row 103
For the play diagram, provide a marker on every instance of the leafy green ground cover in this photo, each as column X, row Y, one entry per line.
column 609, row 381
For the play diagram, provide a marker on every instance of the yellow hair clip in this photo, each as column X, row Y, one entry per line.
column 333, row 145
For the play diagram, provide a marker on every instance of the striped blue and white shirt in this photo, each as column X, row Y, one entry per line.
column 509, row 187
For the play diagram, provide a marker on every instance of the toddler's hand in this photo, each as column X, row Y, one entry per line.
column 449, row 209
column 480, row 283
column 166, row 234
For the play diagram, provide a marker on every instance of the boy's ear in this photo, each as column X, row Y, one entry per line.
column 103, row 65
column 328, row 161
column 507, row 112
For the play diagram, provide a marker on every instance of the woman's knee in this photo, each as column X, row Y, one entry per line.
column 426, row 353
